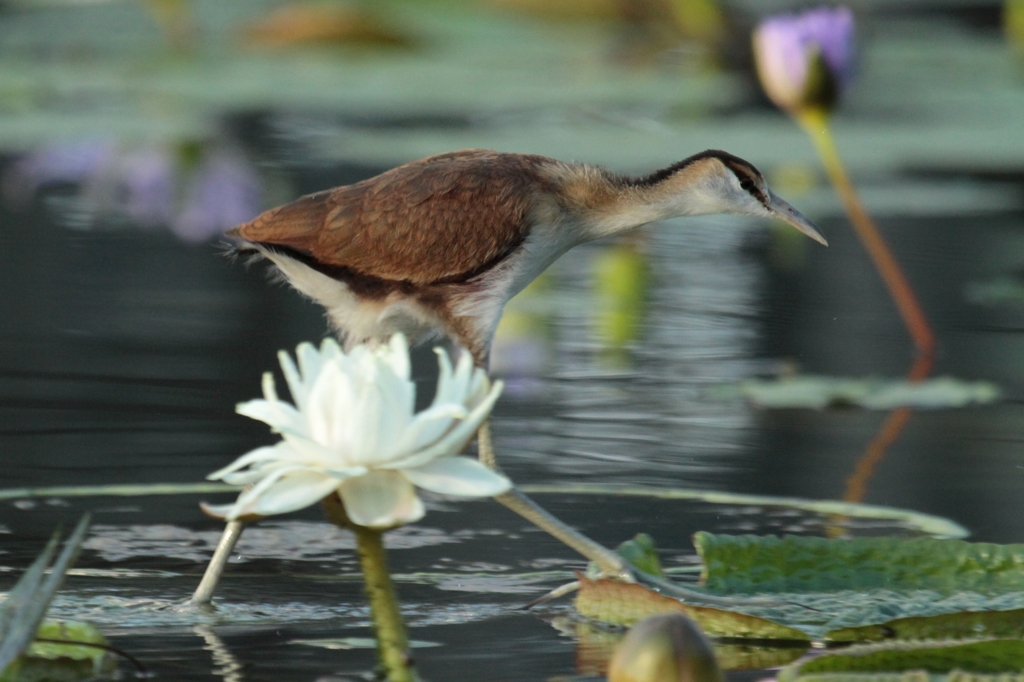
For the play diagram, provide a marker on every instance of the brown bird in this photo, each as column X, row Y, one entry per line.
column 439, row 246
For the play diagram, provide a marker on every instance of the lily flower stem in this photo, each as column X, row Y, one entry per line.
column 392, row 642
column 815, row 122
column 214, row 571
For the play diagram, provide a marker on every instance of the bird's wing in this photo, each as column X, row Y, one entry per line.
column 439, row 219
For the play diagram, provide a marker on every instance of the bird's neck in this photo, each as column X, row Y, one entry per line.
column 625, row 203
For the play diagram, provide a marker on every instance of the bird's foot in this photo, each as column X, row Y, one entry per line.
column 623, row 571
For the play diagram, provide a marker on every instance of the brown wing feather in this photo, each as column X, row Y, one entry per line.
column 434, row 219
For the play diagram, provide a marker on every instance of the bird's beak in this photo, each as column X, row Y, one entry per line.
column 787, row 214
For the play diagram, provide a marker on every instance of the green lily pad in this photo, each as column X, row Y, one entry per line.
column 867, row 589
column 984, row 657
column 819, row 392
column 617, row 603
column 640, row 552
column 750, row 563
column 25, row 607
column 69, row 658
column 962, row 625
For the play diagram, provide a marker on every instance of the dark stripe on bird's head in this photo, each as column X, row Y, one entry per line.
column 742, row 169
column 748, row 177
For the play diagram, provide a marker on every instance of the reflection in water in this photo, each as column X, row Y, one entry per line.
column 521, row 352
column 621, row 283
column 225, row 664
column 650, row 419
column 198, row 191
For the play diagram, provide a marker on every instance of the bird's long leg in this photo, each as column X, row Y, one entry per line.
column 207, row 586
column 611, row 564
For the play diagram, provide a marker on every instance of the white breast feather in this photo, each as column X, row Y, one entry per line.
column 357, row 319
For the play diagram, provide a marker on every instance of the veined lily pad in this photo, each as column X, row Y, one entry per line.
column 751, row 563
column 619, row 603
column 865, row 589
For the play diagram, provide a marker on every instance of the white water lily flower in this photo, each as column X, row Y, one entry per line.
column 353, row 430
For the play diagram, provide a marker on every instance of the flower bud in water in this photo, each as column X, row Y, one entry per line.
column 664, row 648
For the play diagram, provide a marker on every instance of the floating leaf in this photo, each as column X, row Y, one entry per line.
column 866, row 589
column 640, row 553
column 750, row 563
column 29, row 599
column 963, row 625
column 985, row 657
column 70, row 658
column 619, row 603
column 1004, row 291
column 347, row 643
column 819, row 392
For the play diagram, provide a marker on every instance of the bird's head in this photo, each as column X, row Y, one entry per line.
column 718, row 182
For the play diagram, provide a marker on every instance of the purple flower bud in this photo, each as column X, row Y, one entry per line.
column 806, row 60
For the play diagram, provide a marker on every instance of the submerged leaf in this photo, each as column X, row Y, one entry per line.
column 819, row 392
column 618, row 603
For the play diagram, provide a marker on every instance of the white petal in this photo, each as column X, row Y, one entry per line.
column 310, row 364
column 217, row 511
column 428, row 426
column 330, row 409
column 269, row 388
column 461, row 379
column 444, row 379
column 458, row 476
column 295, row 491
column 453, row 441
column 249, row 497
column 265, row 453
column 365, row 414
column 252, row 474
column 397, row 356
column 278, row 416
column 293, row 379
column 308, row 450
column 330, row 351
column 381, row 499
column 479, row 386
column 397, row 397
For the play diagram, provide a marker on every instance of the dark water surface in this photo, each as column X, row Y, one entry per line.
column 124, row 347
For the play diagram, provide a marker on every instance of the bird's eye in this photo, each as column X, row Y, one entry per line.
column 747, row 184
